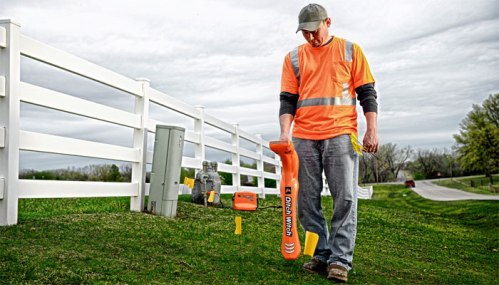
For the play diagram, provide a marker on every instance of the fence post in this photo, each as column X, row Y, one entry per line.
column 236, row 158
column 260, row 166
column 140, row 142
column 10, row 76
column 200, row 151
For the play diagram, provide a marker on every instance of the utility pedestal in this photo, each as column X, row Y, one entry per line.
column 165, row 175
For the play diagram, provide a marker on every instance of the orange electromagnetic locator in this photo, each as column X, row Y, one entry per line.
column 290, row 246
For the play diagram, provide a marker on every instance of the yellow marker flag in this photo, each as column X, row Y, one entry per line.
column 239, row 226
column 357, row 147
column 189, row 182
column 311, row 240
column 212, row 197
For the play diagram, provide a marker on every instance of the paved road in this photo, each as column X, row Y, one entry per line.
column 434, row 192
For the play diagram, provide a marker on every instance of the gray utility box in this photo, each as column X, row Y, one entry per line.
column 165, row 174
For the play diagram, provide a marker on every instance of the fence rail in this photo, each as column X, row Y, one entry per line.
column 13, row 139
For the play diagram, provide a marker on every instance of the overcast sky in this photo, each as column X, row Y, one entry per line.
column 431, row 59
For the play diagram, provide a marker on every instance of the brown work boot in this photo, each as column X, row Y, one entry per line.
column 337, row 273
column 315, row 266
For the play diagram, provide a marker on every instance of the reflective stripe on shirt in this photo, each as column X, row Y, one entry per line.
column 328, row 101
column 348, row 51
column 345, row 90
column 294, row 63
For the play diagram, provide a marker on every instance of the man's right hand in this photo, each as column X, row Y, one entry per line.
column 284, row 137
column 285, row 121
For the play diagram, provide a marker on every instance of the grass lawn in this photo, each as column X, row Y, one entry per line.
column 480, row 184
column 402, row 239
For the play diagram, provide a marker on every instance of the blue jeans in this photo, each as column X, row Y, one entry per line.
column 338, row 160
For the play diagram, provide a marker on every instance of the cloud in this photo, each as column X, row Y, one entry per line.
column 431, row 59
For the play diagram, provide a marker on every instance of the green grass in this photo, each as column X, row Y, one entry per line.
column 480, row 184
column 402, row 239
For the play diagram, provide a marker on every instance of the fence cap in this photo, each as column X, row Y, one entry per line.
column 9, row 21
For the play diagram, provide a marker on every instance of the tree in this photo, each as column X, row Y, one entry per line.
column 367, row 169
column 126, row 172
column 478, row 140
column 428, row 162
column 402, row 156
column 450, row 164
column 393, row 160
column 385, row 165
column 103, row 172
column 114, row 174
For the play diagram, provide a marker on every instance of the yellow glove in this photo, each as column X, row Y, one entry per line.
column 357, row 147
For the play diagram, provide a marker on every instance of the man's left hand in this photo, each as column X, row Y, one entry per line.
column 371, row 142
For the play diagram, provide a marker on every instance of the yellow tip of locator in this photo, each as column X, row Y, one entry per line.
column 311, row 240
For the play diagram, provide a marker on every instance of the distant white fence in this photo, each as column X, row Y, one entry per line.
column 14, row 45
column 365, row 192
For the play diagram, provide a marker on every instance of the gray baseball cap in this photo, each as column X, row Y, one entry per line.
column 310, row 17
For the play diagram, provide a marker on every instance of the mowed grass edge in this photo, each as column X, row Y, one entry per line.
column 402, row 239
column 480, row 184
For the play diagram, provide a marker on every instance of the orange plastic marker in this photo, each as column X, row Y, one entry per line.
column 290, row 245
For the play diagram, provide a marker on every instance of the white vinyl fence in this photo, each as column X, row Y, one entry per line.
column 14, row 45
column 13, row 139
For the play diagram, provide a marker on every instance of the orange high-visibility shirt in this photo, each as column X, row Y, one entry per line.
column 325, row 82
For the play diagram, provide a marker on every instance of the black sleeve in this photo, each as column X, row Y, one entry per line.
column 288, row 103
column 367, row 97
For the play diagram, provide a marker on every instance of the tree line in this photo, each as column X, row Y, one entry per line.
column 476, row 151
column 385, row 166
column 393, row 163
column 93, row 172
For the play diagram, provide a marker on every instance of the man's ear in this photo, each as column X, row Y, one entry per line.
column 328, row 22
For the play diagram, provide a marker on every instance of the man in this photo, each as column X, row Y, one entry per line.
column 320, row 80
